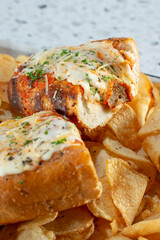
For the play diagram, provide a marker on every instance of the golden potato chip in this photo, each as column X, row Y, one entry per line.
column 150, row 206
column 127, row 187
column 155, row 236
column 151, row 146
column 144, row 99
column 142, row 238
column 140, row 105
column 72, row 223
column 117, row 225
column 143, row 228
column 150, row 112
column 22, row 58
column 102, row 230
column 104, row 207
column 99, row 157
column 157, row 85
column 152, row 125
column 35, row 234
column 9, row 232
column 156, row 95
column 7, row 67
column 6, row 112
column 142, row 165
column 125, row 126
column 37, row 222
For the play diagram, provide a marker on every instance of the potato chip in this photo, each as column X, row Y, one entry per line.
column 127, row 187
column 72, row 223
column 104, row 207
column 150, row 206
column 7, row 67
column 22, row 58
column 6, row 112
column 142, row 238
column 157, row 85
column 37, row 222
column 140, row 105
column 144, row 99
column 102, row 230
column 99, row 157
column 35, row 234
column 142, row 165
column 152, row 125
column 125, row 126
column 151, row 146
column 143, row 228
column 155, row 236
column 117, row 225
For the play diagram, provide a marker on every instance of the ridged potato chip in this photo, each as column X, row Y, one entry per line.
column 99, row 157
column 143, row 228
column 141, row 164
column 73, row 224
column 152, row 125
column 144, row 99
column 104, row 207
column 37, row 222
column 127, row 188
column 125, row 127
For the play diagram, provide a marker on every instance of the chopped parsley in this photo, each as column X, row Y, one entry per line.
column 68, row 59
column 37, row 72
column 58, row 78
column 59, row 141
column 24, row 131
column 46, row 132
column 76, row 54
column 19, row 117
column 92, row 89
column 25, row 123
column 85, row 61
column 105, row 78
column 75, row 60
column 46, row 62
column 27, row 142
column 21, row 181
column 65, row 51
column 93, row 52
column 88, row 79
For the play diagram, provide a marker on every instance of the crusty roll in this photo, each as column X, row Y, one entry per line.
column 44, row 167
column 87, row 83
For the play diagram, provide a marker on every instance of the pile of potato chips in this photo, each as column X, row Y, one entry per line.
column 127, row 161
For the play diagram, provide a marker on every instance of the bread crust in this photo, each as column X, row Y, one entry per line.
column 67, row 180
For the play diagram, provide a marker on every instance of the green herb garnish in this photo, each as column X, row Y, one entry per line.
column 68, row 59
column 27, row 142
column 59, row 141
column 21, row 181
column 46, row 132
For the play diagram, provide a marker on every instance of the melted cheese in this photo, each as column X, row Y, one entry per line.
column 93, row 66
column 25, row 142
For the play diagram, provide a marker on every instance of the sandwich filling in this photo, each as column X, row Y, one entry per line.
column 96, row 66
column 27, row 142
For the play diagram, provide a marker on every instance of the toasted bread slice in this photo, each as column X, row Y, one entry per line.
column 44, row 167
column 87, row 83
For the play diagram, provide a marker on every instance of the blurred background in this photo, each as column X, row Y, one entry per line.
column 29, row 25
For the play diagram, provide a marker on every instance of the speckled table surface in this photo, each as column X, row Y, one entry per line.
column 35, row 24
